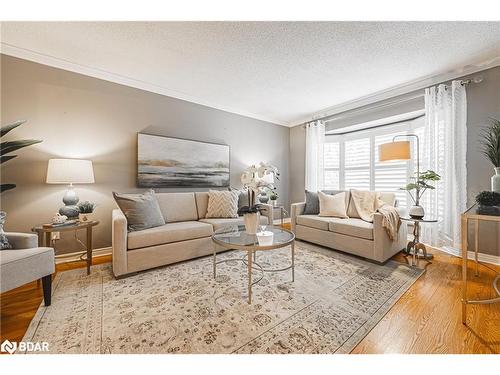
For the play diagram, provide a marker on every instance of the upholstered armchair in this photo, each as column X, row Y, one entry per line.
column 26, row 262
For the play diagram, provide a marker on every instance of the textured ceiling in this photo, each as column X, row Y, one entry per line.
column 277, row 71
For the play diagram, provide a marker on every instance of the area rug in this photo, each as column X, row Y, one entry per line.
column 335, row 300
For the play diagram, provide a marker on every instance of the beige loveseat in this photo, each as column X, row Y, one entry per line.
column 353, row 235
column 186, row 235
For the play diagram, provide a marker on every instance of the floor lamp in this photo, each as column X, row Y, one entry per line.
column 401, row 151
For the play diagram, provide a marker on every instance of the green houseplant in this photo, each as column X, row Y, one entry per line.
column 7, row 147
column 86, row 209
column 489, row 202
column 490, row 141
column 420, row 184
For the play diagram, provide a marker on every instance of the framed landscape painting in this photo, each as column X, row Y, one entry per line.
column 174, row 162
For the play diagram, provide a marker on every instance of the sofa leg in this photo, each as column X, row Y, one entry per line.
column 47, row 289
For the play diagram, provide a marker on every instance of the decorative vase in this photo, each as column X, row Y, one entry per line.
column 263, row 198
column 85, row 217
column 495, row 181
column 416, row 212
column 251, row 222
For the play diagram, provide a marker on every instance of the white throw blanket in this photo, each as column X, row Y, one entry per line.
column 369, row 202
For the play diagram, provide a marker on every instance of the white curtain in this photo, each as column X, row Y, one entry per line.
column 444, row 151
column 315, row 140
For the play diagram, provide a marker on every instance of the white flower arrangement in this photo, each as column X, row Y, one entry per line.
column 256, row 179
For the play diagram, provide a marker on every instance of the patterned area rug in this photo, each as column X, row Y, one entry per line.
column 334, row 302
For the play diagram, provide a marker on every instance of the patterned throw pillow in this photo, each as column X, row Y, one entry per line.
column 222, row 204
column 4, row 242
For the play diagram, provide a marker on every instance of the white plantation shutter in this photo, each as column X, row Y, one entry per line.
column 332, row 165
column 352, row 160
column 357, row 164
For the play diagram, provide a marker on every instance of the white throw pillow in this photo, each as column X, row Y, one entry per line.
column 332, row 205
column 222, row 204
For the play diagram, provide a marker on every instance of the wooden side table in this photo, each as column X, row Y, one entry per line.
column 44, row 234
column 471, row 215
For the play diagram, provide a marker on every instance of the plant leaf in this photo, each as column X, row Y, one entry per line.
column 5, row 187
column 7, row 128
column 6, row 147
column 5, row 158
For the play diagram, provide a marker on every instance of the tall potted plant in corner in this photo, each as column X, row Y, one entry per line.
column 255, row 179
column 10, row 146
column 490, row 140
column 6, row 147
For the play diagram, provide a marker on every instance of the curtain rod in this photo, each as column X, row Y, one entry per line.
column 464, row 82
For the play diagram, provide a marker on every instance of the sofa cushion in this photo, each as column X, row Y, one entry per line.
column 314, row 221
column 332, row 205
column 201, row 198
column 351, row 227
column 388, row 198
column 177, row 206
column 141, row 210
column 222, row 204
column 21, row 266
column 219, row 223
column 168, row 233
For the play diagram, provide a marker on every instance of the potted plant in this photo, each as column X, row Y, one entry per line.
column 488, row 202
column 490, row 140
column 419, row 187
column 274, row 197
column 256, row 179
column 86, row 209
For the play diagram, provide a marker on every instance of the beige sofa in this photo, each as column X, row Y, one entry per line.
column 353, row 235
column 186, row 235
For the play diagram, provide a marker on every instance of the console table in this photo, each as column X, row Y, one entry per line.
column 472, row 215
column 44, row 234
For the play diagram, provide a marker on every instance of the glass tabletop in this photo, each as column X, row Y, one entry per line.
column 423, row 220
column 236, row 235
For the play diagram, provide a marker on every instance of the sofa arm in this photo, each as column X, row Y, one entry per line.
column 22, row 240
column 297, row 209
column 119, row 242
column 267, row 211
column 385, row 247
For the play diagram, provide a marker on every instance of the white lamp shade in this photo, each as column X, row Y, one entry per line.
column 394, row 151
column 70, row 171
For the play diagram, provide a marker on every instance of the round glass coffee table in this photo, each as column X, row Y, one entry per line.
column 235, row 237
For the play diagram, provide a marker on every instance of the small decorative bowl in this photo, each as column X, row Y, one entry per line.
column 265, row 238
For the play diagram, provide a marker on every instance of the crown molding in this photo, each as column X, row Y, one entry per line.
column 402, row 89
column 55, row 62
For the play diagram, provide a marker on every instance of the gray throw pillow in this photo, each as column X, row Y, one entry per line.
column 141, row 210
column 312, row 201
column 4, row 242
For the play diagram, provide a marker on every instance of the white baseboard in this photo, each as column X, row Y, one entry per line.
column 72, row 257
column 486, row 258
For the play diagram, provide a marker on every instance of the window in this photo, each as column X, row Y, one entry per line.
column 352, row 160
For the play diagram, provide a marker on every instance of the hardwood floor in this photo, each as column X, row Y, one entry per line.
column 427, row 319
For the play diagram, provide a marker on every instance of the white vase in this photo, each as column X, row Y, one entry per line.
column 251, row 222
column 495, row 181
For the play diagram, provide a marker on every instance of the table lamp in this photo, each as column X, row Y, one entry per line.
column 70, row 171
column 401, row 151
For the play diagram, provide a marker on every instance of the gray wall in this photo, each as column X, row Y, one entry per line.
column 82, row 117
column 483, row 101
